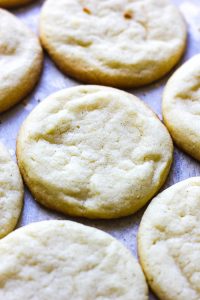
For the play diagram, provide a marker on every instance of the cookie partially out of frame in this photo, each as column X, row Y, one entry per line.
column 169, row 242
column 11, row 192
column 94, row 151
column 20, row 60
column 66, row 260
column 181, row 106
column 13, row 3
column 119, row 43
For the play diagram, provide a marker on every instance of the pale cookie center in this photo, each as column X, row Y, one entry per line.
column 98, row 145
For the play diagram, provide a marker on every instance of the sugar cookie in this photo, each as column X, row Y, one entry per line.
column 94, row 151
column 181, row 106
column 20, row 60
column 118, row 43
column 66, row 260
column 169, row 242
column 11, row 193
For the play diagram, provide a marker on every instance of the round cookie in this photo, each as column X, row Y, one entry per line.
column 94, row 151
column 66, row 260
column 13, row 3
column 181, row 106
column 21, row 60
column 169, row 244
column 119, row 43
column 11, row 193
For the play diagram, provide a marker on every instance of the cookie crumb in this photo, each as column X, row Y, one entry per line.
column 87, row 11
column 128, row 15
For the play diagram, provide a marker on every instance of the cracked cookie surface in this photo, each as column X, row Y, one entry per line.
column 169, row 242
column 181, row 106
column 94, row 151
column 20, row 60
column 66, row 260
column 122, row 43
column 11, row 193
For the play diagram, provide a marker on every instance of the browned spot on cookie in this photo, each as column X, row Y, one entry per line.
column 128, row 15
column 24, row 103
column 87, row 11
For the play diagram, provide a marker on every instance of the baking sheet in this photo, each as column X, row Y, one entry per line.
column 52, row 80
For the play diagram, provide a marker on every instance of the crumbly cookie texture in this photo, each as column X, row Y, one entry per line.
column 169, row 242
column 13, row 3
column 66, row 260
column 11, row 193
column 20, row 60
column 121, row 43
column 181, row 106
column 94, row 151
